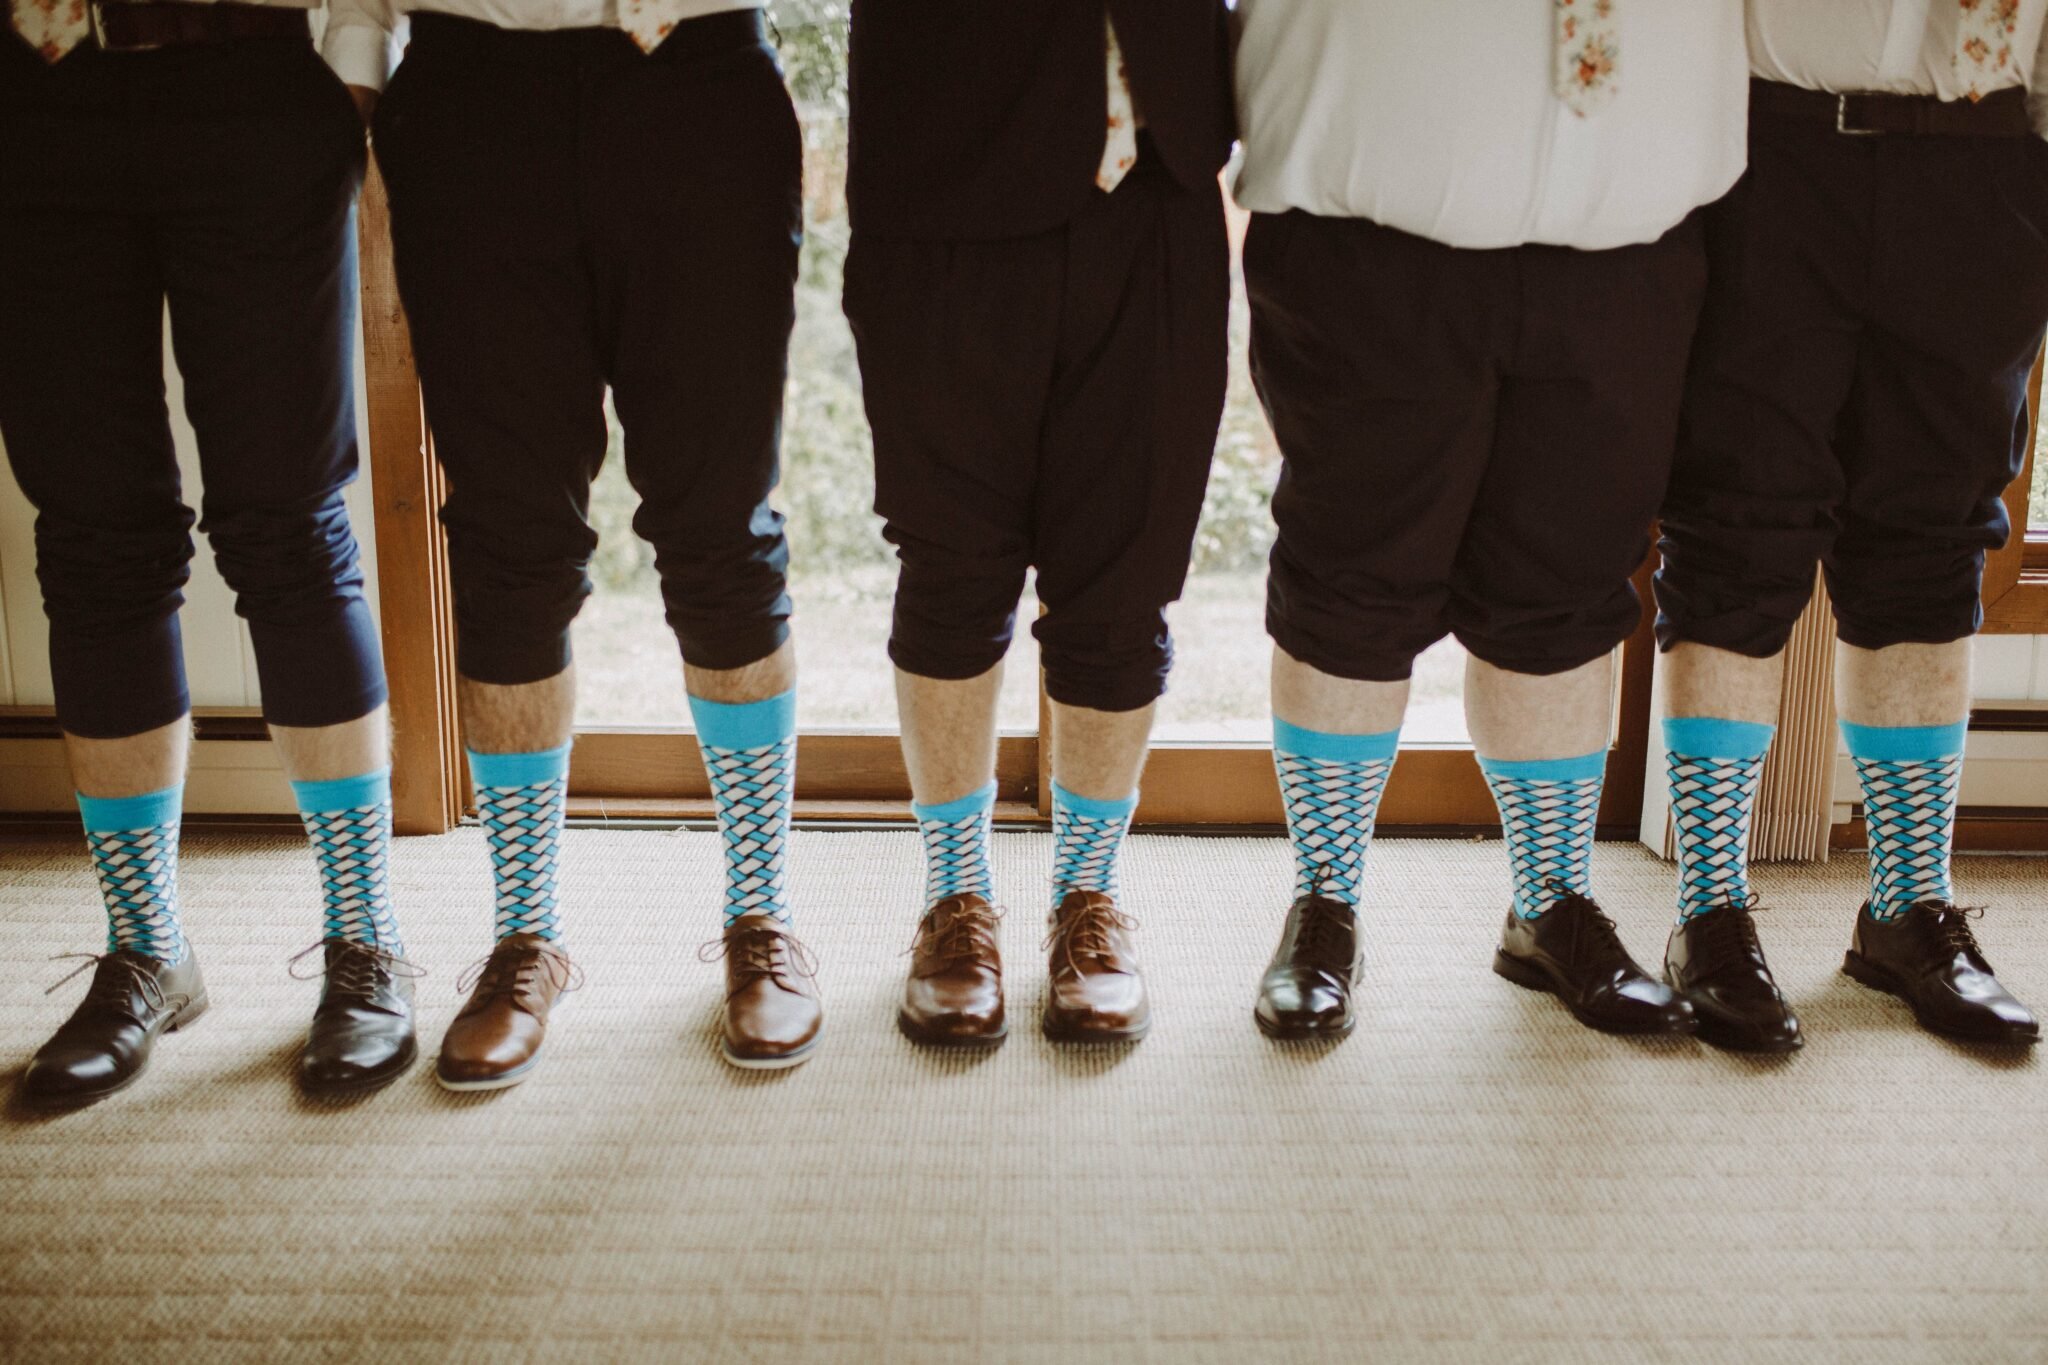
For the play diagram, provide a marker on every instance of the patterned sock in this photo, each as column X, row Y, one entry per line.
column 1910, row 775
column 134, row 842
column 750, row 753
column 1714, row 767
column 1087, row 835
column 521, row 799
column 956, row 846
column 1548, row 809
column 1331, row 785
column 349, row 822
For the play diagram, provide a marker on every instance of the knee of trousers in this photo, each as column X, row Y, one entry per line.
column 1349, row 626
column 954, row 614
column 1741, row 589
column 1118, row 665
column 1542, row 638
column 514, row 605
column 297, row 575
column 727, row 600
column 112, row 597
column 1928, row 596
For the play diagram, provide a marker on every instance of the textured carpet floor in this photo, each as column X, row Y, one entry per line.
column 1471, row 1177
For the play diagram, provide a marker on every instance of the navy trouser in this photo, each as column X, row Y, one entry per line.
column 1047, row 401
column 1858, row 389
column 568, row 213
column 220, row 179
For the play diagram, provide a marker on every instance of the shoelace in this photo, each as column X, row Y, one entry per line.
column 969, row 933
column 1951, row 927
column 1731, row 935
column 111, row 988
column 359, row 969
column 761, row 951
column 1326, row 931
column 1085, row 933
column 519, row 978
column 1590, row 921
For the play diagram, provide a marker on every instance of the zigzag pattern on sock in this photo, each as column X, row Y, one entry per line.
column 1331, row 805
column 1711, row 801
column 138, row 876
column 353, row 847
column 752, row 789
column 956, row 857
column 524, row 826
column 1909, row 807
column 1085, row 851
column 1548, row 825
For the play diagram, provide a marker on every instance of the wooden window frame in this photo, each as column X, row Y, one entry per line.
column 2016, row 576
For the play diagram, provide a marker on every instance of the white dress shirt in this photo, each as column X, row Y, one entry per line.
column 360, row 34
column 1448, row 125
column 1900, row 47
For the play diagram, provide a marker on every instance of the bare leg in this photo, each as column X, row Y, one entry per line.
column 769, row 677
column 521, row 719
column 325, row 752
column 132, row 765
column 1099, row 754
column 1700, row 680
column 949, row 733
column 1314, row 700
column 1517, row 717
column 1903, row 684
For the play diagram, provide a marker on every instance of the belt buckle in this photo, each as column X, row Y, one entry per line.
column 1842, row 120
column 99, row 34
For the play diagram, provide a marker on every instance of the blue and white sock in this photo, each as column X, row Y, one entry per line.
column 349, row 822
column 1911, row 775
column 521, row 798
column 956, row 846
column 1549, row 808
column 1714, row 766
column 750, row 752
column 134, row 842
column 1331, row 785
column 1087, row 837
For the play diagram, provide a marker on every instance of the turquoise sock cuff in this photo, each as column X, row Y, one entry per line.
column 974, row 803
column 1317, row 744
column 746, row 724
column 1906, row 743
column 1712, row 737
column 109, row 814
column 518, row 770
column 1547, row 769
column 343, row 793
column 1093, row 809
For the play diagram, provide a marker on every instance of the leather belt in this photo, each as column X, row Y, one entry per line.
column 2002, row 113
column 121, row 27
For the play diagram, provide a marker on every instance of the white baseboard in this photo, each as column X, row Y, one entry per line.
column 226, row 777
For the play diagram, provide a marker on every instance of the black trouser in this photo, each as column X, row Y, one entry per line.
column 222, row 179
column 570, row 213
column 1047, row 401
column 1858, row 390
column 1474, row 442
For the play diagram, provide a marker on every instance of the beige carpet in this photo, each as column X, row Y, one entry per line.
column 1471, row 1177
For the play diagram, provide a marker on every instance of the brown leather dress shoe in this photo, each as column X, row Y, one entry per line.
column 1095, row 994
column 1306, row 992
column 954, row 997
column 772, row 1014
column 495, row 1042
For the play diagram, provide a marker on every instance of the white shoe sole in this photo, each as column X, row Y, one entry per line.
column 783, row 1063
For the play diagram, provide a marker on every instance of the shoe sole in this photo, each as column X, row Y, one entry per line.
column 504, row 1082
column 957, row 1042
column 1861, row 969
column 1297, row 1032
column 779, row 1063
column 1063, row 1033
column 350, row 1089
column 1536, row 979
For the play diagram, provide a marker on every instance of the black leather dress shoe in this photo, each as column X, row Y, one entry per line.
column 1574, row 951
column 1715, row 961
column 1306, row 992
column 362, row 1036
column 106, row 1042
column 1929, row 958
